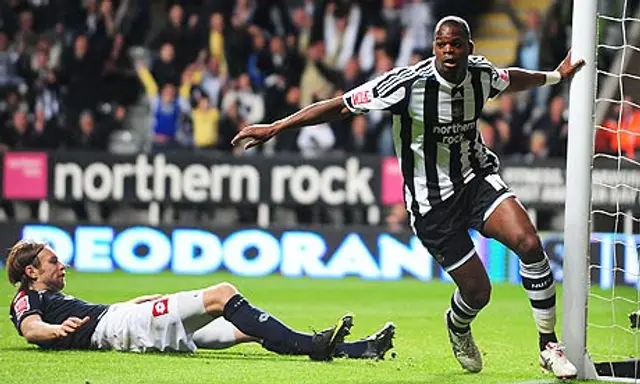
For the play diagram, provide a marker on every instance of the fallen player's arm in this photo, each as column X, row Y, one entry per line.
column 35, row 330
column 522, row 79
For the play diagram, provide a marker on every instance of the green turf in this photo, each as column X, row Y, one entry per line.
column 504, row 332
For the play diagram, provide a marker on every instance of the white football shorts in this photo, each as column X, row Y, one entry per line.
column 165, row 324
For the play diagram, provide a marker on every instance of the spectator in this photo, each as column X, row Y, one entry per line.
column 554, row 125
column 204, row 117
column 287, row 141
column 344, row 80
column 216, row 42
column 361, row 140
column 313, row 85
column 80, row 74
column 229, row 125
column 284, row 61
column 250, row 103
column 166, row 109
column 210, row 80
column 509, row 122
column 273, row 16
column 537, row 147
column 259, row 61
column 316, row 140
column 173, row 32
column 117, row 77
column 303, row 22
column 621, row 130
column 46, row 132
column 341, row 25
column 19, row 133
column 166, row 70
column 8, row 65
column 26, row 39
column 237, row 46
column 87, row 135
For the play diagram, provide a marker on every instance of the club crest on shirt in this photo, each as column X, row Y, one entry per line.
column 21, row 304
column 457, row 111
column 361, row 97
column 160, row 308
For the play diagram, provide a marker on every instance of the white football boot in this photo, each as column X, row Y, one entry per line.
column 552, row 359
column 464, row 348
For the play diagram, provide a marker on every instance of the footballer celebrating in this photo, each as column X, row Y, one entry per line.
column 451, row 181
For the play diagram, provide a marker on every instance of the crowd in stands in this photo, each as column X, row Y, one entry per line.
column 69, row 75
column 72, row 72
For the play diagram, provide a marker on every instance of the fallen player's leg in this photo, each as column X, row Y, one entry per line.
column 199, row 308
column 221, row 334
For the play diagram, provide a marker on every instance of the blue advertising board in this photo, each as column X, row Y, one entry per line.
column 363, row 252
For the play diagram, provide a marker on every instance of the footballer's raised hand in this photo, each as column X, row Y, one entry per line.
column 568, row 69
column 256, row 134
column 70, row 326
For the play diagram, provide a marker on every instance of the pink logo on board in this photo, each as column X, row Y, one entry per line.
column 392, row 185
column 24, row 175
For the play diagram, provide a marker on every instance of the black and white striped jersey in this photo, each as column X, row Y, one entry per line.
column 435, row 125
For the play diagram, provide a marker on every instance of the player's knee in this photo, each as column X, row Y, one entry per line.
column 481, row 297
column 478, row 297
column 225, row 291
column 217, row 296
column 528, row 246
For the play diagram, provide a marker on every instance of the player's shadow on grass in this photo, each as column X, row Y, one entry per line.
column 227, row 355
column 428, row 378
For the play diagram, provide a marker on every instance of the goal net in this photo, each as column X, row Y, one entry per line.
column 612, row 342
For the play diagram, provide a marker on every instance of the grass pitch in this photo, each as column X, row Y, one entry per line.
column 504, row 331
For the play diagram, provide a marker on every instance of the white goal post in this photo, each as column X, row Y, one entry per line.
column 578, row 210
column 577, row 231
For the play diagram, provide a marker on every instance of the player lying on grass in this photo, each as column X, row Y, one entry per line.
column 451, row 179
column 212, row 318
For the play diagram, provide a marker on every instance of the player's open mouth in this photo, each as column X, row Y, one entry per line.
column 450, row 63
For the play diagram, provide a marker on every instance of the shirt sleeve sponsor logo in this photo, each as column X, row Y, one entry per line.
column 160, row 308
column 361, row 97
column 21, row 305
column 503, row 74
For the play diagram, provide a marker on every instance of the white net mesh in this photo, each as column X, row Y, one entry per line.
column 614, row 293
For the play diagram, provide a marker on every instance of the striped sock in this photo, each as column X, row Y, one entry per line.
column 539, row 283
column 461, row 314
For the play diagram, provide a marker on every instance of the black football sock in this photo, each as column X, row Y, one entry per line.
column 276, row 337
column 546, row 338
column 353, row 350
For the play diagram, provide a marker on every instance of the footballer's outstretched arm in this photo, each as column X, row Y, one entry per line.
column 35, row 330
column 522, row 79
column 316, row 113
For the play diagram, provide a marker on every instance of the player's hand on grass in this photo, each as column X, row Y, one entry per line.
column 257, row 134
column 568, row 69
column 71, row 325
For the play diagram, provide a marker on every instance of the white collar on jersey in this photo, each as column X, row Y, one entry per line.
column 445, row 82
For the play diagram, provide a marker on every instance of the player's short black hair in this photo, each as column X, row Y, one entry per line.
column 455, row 20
